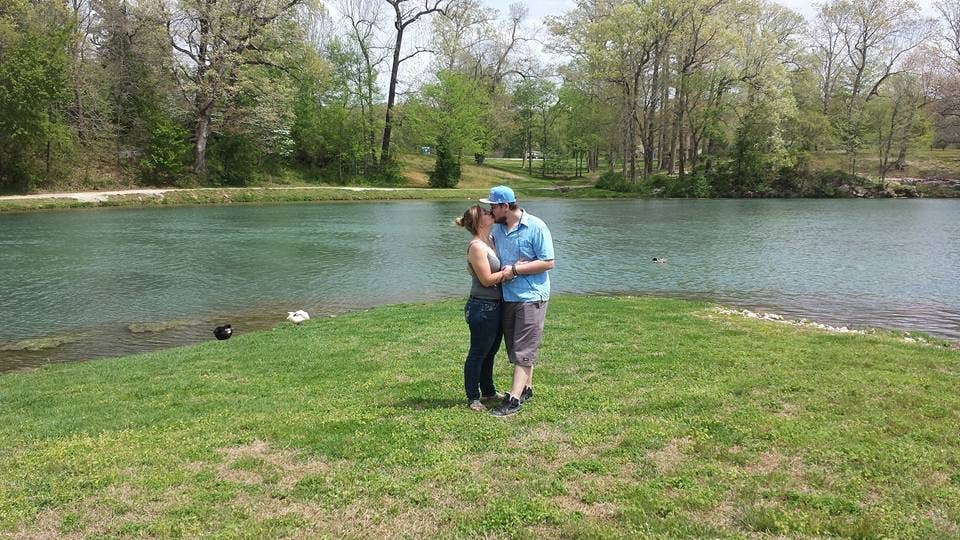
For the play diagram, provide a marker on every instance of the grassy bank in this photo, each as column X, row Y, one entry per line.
column 474, row 184
column 652, row 417
column 212, row 196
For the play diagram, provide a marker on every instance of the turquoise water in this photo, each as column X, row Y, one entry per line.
column 116, row 281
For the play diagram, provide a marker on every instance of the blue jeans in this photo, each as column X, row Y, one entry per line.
column 486, row 332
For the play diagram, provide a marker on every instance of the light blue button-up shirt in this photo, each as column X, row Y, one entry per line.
column 529, row 240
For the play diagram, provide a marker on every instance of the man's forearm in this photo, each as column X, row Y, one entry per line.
column 533, row 267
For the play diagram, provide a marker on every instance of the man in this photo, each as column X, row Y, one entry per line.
column 523, row 241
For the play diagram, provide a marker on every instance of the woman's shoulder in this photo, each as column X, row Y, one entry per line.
column 476, row 245
column 479, row 246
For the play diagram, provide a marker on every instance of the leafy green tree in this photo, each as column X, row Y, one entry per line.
column 530, row 98
column 214, row 41
column 33, row 91
column 330, row 130
column 454, row 112
column 137, row 96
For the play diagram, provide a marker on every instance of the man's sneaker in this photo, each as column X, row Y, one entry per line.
column 526, row 395
column 509, row 406
column 497, row 395
column 477, row 406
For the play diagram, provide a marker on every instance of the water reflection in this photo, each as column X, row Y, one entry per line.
column 94, row 273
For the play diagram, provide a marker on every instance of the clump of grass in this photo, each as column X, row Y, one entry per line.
column 649, row 420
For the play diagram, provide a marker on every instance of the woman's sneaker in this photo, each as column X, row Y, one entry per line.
column 477, row 406
column 526, row 395
column 510, row 405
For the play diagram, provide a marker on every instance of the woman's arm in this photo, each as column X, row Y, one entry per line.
column 477, row 257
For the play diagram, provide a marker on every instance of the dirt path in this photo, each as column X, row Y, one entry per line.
column 87, row 196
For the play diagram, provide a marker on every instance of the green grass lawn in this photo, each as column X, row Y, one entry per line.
column 562, row 171
column 652, row 417
column 921, row 163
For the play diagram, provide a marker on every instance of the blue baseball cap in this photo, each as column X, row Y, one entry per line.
column 500, row 195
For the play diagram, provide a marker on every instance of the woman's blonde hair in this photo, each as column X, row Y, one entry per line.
column 470, row 218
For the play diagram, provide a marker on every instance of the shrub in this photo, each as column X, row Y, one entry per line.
column 661, row 184
column 611, row 180
column 686, row 186
column 233, row 159
column 167, row 154
column 447, row 171
column 390, row 174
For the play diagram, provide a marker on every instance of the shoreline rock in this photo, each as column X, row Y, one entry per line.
column 804, row 323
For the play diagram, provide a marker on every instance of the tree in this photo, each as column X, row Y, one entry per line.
column 134, row 59
column 214, row 40
column 33, row 91
column 404, row 16
column 530, row 97
column 364, row 19
column 329, row 130
column 877, row 34
column 625, row 44
column 897, row 121
column 454, row 112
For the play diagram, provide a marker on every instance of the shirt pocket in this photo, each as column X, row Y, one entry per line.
column 526, row 249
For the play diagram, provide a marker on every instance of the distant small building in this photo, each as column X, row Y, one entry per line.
column 425, row 150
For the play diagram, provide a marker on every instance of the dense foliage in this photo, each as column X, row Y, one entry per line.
column 688, row 98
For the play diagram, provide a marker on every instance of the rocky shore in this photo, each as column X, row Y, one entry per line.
column 804, row 323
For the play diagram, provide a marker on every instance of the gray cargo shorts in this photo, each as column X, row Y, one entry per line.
column 523, row 331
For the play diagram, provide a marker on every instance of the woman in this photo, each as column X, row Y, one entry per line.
column 482, row 310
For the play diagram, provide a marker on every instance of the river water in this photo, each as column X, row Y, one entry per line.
column 112, row 282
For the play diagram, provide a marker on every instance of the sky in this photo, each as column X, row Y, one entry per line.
column 540, row 9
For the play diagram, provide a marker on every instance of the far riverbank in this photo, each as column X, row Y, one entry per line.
column 216, row 196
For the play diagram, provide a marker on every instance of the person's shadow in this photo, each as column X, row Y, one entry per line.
column 422, row 403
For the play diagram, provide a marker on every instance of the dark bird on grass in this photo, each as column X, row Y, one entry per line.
column 223, row 332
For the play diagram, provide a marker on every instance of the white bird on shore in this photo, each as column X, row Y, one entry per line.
column 297, row 317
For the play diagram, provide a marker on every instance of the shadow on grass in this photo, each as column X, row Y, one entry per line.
column 421, row 403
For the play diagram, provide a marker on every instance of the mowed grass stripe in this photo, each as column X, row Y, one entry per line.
column 652, row 416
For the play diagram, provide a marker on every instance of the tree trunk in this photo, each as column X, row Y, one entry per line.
column 391, row 98
column 665, row 159
column 543, row 147
column 631, row 149
column 650, row 120
column 201, row 134
column 680, row 126
column 530, row 152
